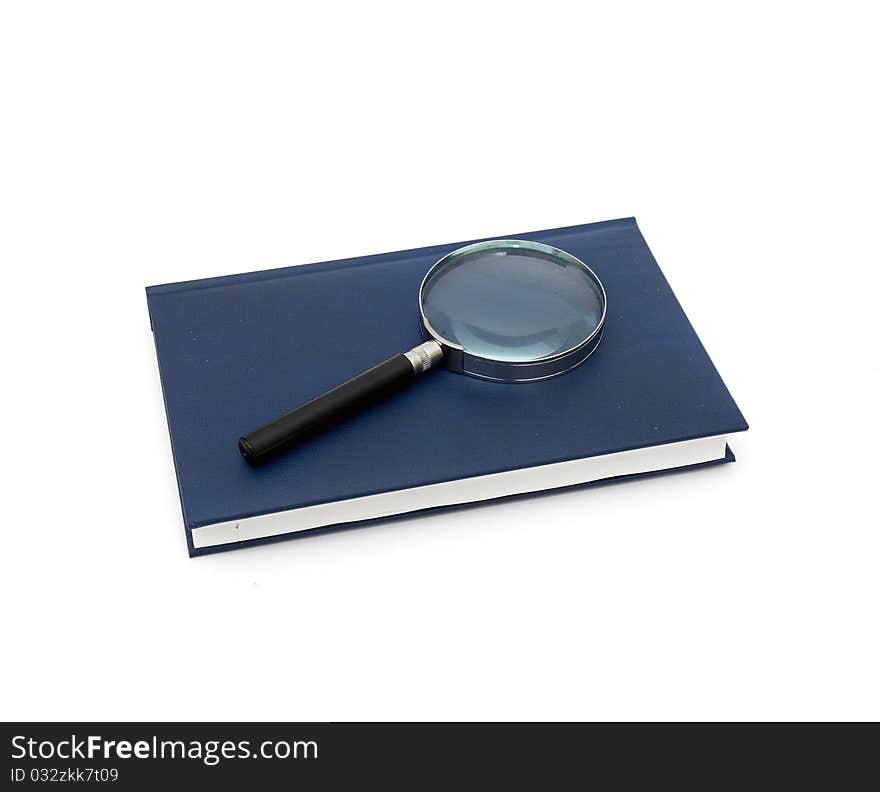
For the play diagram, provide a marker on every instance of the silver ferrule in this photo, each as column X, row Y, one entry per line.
column 424, row 356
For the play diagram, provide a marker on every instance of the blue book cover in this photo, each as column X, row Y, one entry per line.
column 234, row 352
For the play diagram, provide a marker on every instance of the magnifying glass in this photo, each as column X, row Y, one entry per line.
column 505, row 310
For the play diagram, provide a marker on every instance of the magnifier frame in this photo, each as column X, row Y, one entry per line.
column 461, row 361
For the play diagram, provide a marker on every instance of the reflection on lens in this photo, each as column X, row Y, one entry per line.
column 503, row 301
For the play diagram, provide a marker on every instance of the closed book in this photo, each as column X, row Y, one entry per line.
column 236, row 351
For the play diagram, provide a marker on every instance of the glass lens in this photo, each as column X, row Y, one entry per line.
column 512, row 300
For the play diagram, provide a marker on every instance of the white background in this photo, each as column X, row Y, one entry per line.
column 143, row 143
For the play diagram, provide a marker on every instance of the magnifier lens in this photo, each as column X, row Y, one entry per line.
column 503, row 301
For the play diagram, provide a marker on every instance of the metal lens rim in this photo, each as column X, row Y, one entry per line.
column 461, row 361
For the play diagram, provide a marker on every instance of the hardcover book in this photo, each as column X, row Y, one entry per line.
column 236, row 351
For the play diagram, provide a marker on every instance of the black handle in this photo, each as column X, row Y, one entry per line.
column 328, row 409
